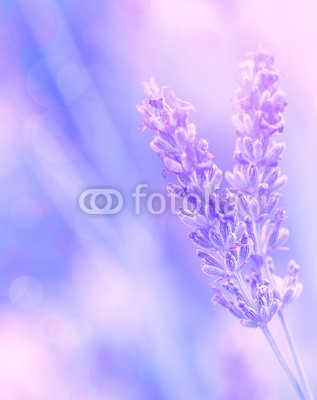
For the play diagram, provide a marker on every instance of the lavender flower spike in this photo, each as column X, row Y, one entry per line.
column 256, row 176
column 222, row 237
column 257, row 179
column 235, row 239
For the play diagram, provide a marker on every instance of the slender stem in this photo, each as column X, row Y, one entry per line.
column 291, row 345
column 244, row 288
column 283, row 363
column 287, row 334
column 271, row 340
column 304, row 383
column 295, row 357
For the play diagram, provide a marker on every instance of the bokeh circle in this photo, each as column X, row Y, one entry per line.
column 25, row 292
column 61, row 136
column 57, row 82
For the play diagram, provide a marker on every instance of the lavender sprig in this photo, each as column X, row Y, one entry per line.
column 257, row 177
column 235, row 238
column 225, row 245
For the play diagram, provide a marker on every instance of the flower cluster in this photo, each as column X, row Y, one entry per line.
column 235, row 229
column 256, row 176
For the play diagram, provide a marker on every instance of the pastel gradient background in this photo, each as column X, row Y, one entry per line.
column 116, row 307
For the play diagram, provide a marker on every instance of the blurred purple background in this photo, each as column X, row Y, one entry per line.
column 98, row 307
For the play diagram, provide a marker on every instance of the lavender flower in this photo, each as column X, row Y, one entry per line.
column 256, row 176
column 238, row 228
column 225, row 242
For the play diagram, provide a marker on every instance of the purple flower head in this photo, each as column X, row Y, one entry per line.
column 176, row 141
column 256, row 175
column 236, row 229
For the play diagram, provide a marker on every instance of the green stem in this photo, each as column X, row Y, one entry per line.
column 283, row 363
column 295, row 357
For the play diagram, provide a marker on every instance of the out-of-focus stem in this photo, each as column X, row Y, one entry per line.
column 272, row 342
column 301, row 388
column 283, row 363
column 295, row 357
